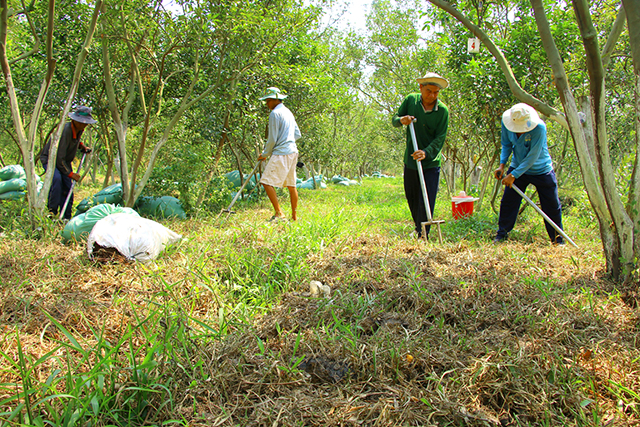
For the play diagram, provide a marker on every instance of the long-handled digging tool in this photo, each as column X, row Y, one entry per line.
column 228, row 210
column 430, row 220
column 544, row 215
column 73, row 184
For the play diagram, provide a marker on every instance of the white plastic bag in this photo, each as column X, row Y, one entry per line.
column 134, row 237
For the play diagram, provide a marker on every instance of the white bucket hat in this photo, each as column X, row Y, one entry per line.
column 521, row 118
column 273, row 93
column 434, row 79
column 82, row 115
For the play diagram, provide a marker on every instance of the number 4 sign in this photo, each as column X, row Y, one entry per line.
column 473, row 45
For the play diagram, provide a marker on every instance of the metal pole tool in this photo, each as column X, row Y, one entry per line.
column 73, row 184
column 430, row 220
column 544, row 215
column 228, row 210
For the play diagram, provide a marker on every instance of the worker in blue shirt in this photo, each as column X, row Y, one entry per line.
column 524, row 139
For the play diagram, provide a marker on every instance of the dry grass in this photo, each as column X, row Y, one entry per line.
column 414, row 333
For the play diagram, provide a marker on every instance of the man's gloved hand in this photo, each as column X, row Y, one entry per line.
column 74, row 176
column 85, row 150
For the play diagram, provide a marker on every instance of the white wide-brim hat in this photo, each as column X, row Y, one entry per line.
column 521, row 118
column 83, row 115
column 273, row 93
column 433, row 78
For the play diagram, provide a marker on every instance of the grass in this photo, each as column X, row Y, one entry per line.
column 221, row 329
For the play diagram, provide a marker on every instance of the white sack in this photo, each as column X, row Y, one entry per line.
column 134, row 237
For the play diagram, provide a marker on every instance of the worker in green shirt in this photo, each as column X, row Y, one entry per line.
column 432, row 122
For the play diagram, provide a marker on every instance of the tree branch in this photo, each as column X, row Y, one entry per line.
column 36, row 38
column 515, row 87
column 614, row 35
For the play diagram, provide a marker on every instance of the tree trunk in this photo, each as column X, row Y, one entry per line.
column 616, row 225
column 617, row 241
column 632, row 8
column 488, row 177
column 37, row 201
column 313, row 176
column 218, row 154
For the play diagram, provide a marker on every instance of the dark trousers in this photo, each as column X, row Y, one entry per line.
column 60, row 187
column 547, row 186
column 413, row 193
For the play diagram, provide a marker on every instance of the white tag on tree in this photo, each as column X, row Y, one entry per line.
column 473, row 45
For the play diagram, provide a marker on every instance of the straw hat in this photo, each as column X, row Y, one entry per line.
column 434, row 79
column 82, row 115
column 273, row 93
column 521, row 118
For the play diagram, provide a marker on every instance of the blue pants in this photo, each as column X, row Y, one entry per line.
column 60, row 187
column 413, row 193
column 547, row 187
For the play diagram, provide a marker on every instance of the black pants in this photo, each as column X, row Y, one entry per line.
column 413, row 193
column 547, row 186
column 60, row 188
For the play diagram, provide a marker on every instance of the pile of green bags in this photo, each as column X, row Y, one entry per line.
column 160, row 207
column 380, row 175
column 340, row 180
column 154, row 207
column 13, row 182
column 233, row 178
column 309, row 183
column 111, row 195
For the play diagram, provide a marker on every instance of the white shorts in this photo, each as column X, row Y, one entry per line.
column 280, row 171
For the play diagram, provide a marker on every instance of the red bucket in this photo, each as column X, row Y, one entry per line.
column 461, row 209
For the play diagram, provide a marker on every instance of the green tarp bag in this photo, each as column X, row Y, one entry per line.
column 160, row 207
column 12, row 171
column 380, row 175
column 234, row 179
column 308, row 184
column 79, row 227
column 111, row 195
column 12, row 195
column 15, row 184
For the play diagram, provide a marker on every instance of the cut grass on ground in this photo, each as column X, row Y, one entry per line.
column 221, row 329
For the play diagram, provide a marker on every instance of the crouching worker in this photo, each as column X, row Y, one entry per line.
column 281, row 146
column 524, row 135
column 68, row 146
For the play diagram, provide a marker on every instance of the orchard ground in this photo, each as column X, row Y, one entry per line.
column 221, row 330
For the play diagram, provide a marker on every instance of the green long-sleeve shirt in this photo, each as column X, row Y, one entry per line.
column 431, row 130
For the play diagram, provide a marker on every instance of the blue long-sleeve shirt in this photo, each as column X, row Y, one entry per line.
column 283, row 132
column 530, row 151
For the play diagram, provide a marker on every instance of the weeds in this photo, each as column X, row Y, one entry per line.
column 222, row 331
